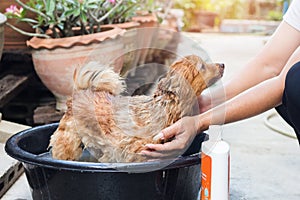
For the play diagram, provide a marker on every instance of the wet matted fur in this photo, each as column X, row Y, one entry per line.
column 115, row 128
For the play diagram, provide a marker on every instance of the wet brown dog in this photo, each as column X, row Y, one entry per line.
column 115, row 128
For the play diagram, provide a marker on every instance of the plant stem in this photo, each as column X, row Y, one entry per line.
column 107, row 14
column 27, row 33
column 123, row 12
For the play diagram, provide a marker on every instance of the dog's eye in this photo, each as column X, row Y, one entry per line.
column 202, row 67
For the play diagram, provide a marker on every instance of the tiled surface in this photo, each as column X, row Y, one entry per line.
column 10, row 169
column 19, row 191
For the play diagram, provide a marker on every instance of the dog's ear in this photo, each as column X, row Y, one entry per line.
column 185, row 61
column 176, row 63
column 191, row 58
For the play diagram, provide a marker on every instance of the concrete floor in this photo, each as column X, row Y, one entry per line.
column 264, row 164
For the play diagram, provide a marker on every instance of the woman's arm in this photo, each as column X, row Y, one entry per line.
column 247, row 104
column 266, row 64
column 251, row 102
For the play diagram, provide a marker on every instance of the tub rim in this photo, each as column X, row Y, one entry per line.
column 14, row 150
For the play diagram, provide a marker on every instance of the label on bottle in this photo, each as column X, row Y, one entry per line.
column 206, row 167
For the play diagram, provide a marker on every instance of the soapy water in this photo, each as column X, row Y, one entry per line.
column 85, row 156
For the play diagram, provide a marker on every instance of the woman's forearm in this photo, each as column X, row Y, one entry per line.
column 247, row 104
column 268, row 63
column 251, row 102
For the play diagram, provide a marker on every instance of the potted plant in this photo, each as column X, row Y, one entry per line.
column 70, row 33
column 14, row 41
column 198, row 14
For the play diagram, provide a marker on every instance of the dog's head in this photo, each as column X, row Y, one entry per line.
column 198, row 74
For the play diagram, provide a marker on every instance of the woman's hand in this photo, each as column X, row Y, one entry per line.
column 181, row 133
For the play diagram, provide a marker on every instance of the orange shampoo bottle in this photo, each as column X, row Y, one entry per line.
column 215, row 166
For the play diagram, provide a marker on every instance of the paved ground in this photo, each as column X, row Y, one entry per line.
column 264, row 164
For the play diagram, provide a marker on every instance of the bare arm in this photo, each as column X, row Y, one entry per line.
column 268, row 62
column 251, row 102
column 254, row 101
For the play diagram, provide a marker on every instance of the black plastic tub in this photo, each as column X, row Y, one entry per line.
column 63, row 180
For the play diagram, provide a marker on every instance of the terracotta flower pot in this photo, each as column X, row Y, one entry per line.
column 2, row 21
column 56, row 59
column 202, row 20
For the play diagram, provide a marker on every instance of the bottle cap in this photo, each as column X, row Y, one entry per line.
column 215, row 132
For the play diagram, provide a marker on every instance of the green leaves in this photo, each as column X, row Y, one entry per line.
column 50, row 7
column 63, row 15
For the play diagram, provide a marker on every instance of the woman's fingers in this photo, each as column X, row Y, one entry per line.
column 168, row 132
column 182, row 133
column 153, row 154
column 168, row 146
column 169, row 149
column 161, row 151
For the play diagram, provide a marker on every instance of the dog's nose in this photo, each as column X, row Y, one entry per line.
column 221, row 68
column 221, row 65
